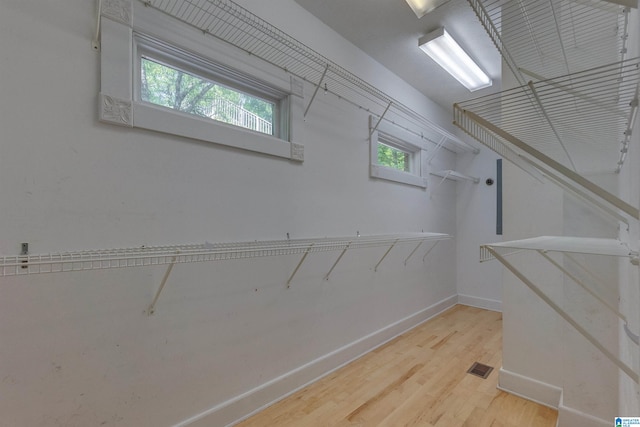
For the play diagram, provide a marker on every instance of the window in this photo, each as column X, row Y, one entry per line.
column 396, row 155
column 173, row 88
column 185, row 83
column 182, row 81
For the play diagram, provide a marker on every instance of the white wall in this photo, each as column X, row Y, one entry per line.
column 589, row 378
column 478, row 284
column 544, row 358
column 629, row 274
column 77, row 348
column 532, row 347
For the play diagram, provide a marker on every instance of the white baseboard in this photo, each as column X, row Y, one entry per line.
column 548, row 395
column 488, row 304
column 251, row 402
column 569, row 417
column 530, row 389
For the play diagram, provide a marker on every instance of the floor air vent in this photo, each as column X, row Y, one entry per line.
column 480, row 370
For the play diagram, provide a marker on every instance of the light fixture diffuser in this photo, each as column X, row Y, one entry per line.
column 443, row 49
column 422, row 7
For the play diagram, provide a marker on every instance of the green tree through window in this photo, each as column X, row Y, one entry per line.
column 182, row 91
column 393, row 157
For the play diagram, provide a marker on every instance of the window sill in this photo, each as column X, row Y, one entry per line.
column 383, row 172
column 118, row 104
column 176, row 123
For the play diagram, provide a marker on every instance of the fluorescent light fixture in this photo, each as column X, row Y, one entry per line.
column 422, row 7
column 443, row 49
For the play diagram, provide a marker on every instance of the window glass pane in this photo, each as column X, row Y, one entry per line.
column 182, row 91
column 393, row 157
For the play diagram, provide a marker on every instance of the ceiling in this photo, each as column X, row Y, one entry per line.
column 388, row 31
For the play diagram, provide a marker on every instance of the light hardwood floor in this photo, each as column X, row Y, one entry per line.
column 417, row 379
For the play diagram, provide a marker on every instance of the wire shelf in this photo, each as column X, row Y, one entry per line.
column 573, row 270
column 231, row 23
column 580, row 119
column 101, row 259
column 545, row 38
column 575, row 125
column 575, row 245
column 540, row 39
column 455, row 176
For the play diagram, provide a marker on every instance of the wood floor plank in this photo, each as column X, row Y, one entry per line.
column 418, row 379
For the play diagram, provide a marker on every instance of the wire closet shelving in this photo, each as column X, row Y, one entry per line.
column 568, row 127
column 579, row 273
column 453, row 176
column 101, row 259
column 541, row 39
column 563, row 128
column 233, row 24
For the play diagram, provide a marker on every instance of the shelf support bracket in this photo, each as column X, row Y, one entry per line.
column 575, row 93
column 429, row 251
column 444, row 178
column 548, row 119
column 385, row 255
column 558, row 167
column 306, row 252
column 315, row 92
column 627, row 370
column 373, row 129
column 435, row 150
column 326, row 277
column 633, row 337
column 627, row 133
column 577, row 192
column 583, row 286
column 413, row 252
column 152, row 308
column 95, row 43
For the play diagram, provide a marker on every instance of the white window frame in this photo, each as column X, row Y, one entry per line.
column 400, row 147
column 388, row 134
column 127, row 27
column 160, row 52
